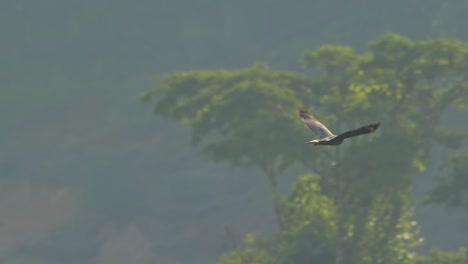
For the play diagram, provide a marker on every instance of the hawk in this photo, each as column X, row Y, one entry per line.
column 327, row 137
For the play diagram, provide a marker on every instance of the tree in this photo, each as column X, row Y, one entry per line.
column 409, row 85
column 366, row 181
column 245, row 117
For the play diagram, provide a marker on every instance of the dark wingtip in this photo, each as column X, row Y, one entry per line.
column 303, row 113
column 375, row 125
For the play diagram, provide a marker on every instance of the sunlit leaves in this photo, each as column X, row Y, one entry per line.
column 307, row 207
column 257, row 256
column 387, row 235
column 335, row 66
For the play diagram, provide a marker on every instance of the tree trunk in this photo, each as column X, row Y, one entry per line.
column 340, row 235
column 276, row 197
column 340, row 212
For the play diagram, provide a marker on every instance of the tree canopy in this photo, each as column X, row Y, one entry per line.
column 358, row 207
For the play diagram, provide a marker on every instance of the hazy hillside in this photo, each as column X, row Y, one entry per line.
column 99, row 179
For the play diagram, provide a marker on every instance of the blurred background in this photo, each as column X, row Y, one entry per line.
column 89, row 175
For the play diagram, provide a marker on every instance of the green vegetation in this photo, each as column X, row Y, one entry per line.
column 440, row 257
column 357, row 206
column 88, row 175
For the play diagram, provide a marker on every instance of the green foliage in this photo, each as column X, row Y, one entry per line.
column 310, row 216
column 307, row 207
column 237, row 113
column 453, row 189
column 69, row 74
column 245, row 117
column 311, row 238
column 357, row 205
column 436, row 256
column 250, row 256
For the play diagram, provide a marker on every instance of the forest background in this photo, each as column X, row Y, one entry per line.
column 90, row 175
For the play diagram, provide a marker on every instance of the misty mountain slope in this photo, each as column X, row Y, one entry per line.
column 70, row 79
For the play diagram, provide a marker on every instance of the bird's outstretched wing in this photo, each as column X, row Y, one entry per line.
column 318, row 128
column 360, row 131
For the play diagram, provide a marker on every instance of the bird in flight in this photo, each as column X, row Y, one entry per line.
column 327, row 137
